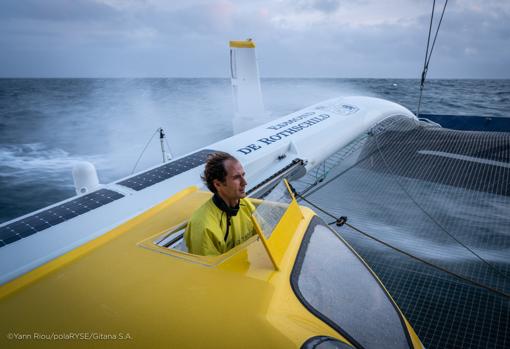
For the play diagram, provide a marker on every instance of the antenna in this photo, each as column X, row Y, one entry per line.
column 162, row 141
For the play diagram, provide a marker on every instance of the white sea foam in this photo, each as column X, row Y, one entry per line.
column 37, row 158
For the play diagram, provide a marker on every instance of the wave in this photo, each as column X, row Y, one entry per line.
column 37, row 158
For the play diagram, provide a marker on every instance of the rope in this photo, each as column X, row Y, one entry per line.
column 335, row 176
column 169, row 150
column 343, row 220
column 428, row 54
column 144, row 149
column 491, row 289
column 437, row 31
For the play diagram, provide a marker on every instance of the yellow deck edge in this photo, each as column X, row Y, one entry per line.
column 76, row 253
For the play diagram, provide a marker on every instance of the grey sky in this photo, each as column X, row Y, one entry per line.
column 295, row 38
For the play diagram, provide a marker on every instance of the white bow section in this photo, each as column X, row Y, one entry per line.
column 312, row 134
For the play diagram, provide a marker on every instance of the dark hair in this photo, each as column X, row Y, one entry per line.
column 215, row 168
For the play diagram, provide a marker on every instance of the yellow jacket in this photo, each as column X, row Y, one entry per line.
column 205, row 233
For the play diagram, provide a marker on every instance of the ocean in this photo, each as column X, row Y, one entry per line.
column 48, row 125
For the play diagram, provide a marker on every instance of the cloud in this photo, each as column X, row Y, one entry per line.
column 331, row 38
column 56, row 10
column 325, row 6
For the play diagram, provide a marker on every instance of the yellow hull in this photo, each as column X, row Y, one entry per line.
column 122, row 290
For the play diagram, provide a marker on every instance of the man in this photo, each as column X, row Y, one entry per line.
column 224, row 220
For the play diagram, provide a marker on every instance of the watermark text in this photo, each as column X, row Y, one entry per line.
column 68, row 336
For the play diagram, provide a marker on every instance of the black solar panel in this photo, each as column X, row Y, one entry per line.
column 166, row 171
column 55, row 215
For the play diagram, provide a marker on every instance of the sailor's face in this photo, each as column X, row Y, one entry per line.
column 234, row 186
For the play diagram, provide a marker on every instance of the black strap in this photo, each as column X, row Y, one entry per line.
column 230, row 211
column 228, row 226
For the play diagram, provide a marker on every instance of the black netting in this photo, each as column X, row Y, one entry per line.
column 438, row 194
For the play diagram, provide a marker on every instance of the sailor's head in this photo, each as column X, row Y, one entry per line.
column 224, row 175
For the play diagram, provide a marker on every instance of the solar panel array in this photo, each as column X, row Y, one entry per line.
column 55, row 215
column 61, row 213
column 169, row 170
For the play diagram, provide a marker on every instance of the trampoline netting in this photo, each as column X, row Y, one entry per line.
column 442, row 196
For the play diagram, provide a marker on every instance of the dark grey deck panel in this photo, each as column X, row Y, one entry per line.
column 471, row 122
column 410, row 153
column 55, row 215
column 169, row 170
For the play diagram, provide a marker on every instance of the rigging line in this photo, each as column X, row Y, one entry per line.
column 431, row 217
column 336, row 176
column 437, row 31
column 371, row 134
column 169, row 149
column 339, row 174
column 428, row 54
column 488, row 288
column 143, row 151
column 424, row 71
column 428, row 42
